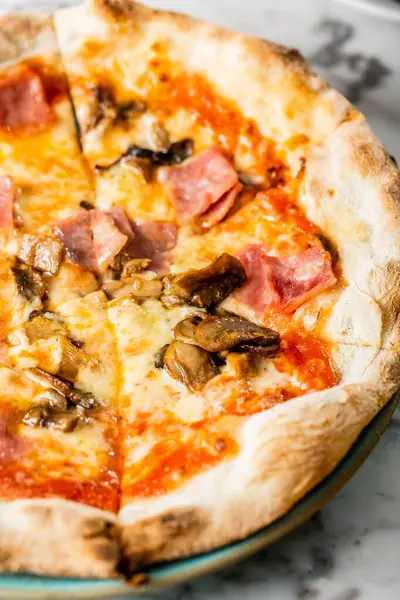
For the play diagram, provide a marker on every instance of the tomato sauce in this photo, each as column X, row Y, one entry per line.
column 168, row 89
column 53, row 79
column 182, row 451
column 26, row 472
column 18, row 482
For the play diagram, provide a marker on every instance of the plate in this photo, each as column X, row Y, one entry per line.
column 29, row 587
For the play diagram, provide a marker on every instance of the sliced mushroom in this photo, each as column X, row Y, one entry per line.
column 190, row 365
column 29, row 282
column 84, row 399
column 185, row 330
column 105, row 112
column 242, row 363
column 103, row 108
column 206, row 287
column 176, row 153
column 251, row 179
column 44, row 416
column 72, row 359
column 86, row 205
column 46, row 379
column 146, row 288
column 44, row 253
column 47, row 314
column 54, row 399
column 36, row 416
column 49, row 254
column 159, row 357
column 180, row 151
column 41, row 328
column 65, row 420
column 135, row 265
column 328, row 245
column 128, row 110
column 158, row 137
column 115, row 289
column 140, row 288
column 215, row 334
column 26, row 250
column 141, row 166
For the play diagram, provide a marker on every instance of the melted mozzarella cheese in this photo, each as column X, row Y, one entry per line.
column 141, row 331
column 87, row 320
column 72, row 281
column 14, row 307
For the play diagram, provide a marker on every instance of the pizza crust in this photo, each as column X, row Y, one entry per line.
column 22, row 35
column 58, row 537
column 352, row 191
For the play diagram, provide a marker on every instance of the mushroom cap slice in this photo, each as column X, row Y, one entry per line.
column 184, row 331
column 29, row 282
column 209, row 286
column 215, row 334
column 190, row 365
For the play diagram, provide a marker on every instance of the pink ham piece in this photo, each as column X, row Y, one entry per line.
column 220, row 209
column 23, row 102
column 200, row 182
column 121, row 221
column 148, row 239
column 11, row 446
column 92, row 239
column 76, row 235
column 283, row 283
column 108, row 240
column 152, row 239
column 7, row 198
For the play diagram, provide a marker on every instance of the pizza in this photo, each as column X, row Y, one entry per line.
column 199, row 300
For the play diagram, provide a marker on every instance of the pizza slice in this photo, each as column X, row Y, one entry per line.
column 59, row 470
column 254, row 303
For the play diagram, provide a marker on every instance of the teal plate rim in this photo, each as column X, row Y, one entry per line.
column 27, row 587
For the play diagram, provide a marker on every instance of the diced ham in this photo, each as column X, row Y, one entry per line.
column 199, row 182
column 220, row 209
column 76, row 235
column 7, row 197
column 148, row 239
column 108, row 240
column 23, row 102
column 121, row 221
column 152, row 239
column 283, row 283
column 11, row 447
column 94, row 238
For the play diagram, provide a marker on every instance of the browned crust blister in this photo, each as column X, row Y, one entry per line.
column 21, row 34
column 58, row 537
column 290, row 448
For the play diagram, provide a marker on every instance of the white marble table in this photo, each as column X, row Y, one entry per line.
column 350, row 550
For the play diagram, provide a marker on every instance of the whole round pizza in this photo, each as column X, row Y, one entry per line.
column 200, row 286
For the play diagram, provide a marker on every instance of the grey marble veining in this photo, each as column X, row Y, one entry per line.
column 349, row 551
